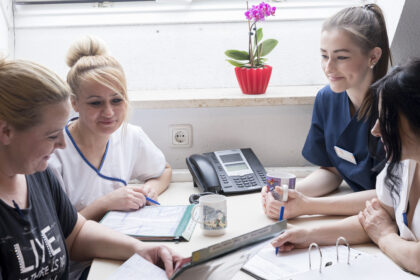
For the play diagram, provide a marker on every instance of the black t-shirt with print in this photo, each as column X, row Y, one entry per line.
column 32, row 240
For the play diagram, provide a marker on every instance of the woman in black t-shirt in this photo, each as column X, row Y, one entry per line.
column 39, row 229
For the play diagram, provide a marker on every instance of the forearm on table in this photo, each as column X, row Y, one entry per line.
column 348, row 204
column 96, row 210
column 320, row 182
column 350, row 228
column 161, row 183
column 96, row 240
column 404, row 253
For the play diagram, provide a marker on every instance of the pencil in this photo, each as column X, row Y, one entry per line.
column 280, row 219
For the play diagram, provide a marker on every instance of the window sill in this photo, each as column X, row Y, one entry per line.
column 222, row 97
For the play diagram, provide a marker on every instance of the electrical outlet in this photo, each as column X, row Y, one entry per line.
column 180, row 135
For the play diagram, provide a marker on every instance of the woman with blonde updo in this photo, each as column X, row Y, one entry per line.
column 103, row 152
column 40, row 230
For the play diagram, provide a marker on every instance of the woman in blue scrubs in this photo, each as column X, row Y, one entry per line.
column 391, row 220
column 355, row 53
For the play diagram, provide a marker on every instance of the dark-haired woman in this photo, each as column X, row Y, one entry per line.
column 392, row 220
column 354, row 54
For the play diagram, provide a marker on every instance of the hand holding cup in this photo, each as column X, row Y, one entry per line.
column 276, row 195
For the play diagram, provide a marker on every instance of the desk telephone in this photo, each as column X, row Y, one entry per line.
column 227, row 172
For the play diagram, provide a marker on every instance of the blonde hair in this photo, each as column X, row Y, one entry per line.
column 25, row 87
column 89, row 61
column 366, row 26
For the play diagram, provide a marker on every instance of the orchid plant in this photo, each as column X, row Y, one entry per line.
column 254, row 58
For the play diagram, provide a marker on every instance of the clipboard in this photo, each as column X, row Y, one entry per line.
column 153, row 223
column 233, row 253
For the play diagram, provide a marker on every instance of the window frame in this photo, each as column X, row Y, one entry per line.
column 51, row 2
column 164, row 12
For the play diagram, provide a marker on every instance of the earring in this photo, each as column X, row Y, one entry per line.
column 373, row 65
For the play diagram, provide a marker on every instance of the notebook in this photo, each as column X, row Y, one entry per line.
column 158, row 223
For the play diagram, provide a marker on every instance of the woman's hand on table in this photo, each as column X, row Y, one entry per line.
column 150, row 191
column 376, row 221
column 293, row 207
column 161, row 256
column 126, row 198
column 292, row 238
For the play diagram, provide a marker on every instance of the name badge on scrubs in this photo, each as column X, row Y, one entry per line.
column 343, row 154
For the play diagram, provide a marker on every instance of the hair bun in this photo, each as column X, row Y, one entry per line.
column 86, row 46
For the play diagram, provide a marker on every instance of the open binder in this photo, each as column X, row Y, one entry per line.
column 355, row 265
column 154, row 223
column 223, row 260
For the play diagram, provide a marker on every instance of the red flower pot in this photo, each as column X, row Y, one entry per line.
column 253, row 80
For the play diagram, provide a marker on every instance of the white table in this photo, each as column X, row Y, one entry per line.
column 244, row 214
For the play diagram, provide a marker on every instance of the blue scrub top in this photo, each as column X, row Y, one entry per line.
column 332, row 126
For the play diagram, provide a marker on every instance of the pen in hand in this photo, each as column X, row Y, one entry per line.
column 285, row 189
column 152, row 201
column 280, row 219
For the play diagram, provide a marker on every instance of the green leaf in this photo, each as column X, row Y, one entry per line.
column 238, row 55
column 267, row 46
column 262, row 62
column 259, row 35
column 235, row 63
column 258, row 51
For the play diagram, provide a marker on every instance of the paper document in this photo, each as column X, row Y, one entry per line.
column 136, row 268
column 153, row 222
column 266, row 265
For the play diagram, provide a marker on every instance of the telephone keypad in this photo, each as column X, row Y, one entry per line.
column 246, row 182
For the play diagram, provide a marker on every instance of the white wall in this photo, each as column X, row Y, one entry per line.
column 392, row 12
column 275, row 133
column 6, row 32
column 407, row 38
column 190, row 55
column 183, row 55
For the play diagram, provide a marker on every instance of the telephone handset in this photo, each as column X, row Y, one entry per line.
column 227, row 172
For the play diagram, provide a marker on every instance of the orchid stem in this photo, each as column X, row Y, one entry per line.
column 251, row 54
column 251, row 51
column 256, row 44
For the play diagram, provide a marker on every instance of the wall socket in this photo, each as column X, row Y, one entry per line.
column 180, row 135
